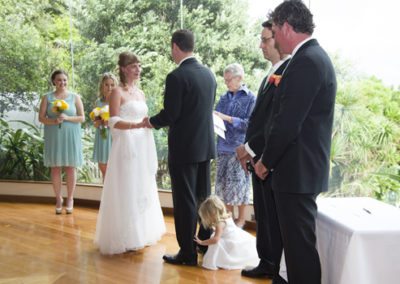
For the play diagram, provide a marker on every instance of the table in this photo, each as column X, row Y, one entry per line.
column 358, row 241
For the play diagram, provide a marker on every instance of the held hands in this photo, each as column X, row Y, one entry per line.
column 244, row 157
column 143, row 124
column 146, row 122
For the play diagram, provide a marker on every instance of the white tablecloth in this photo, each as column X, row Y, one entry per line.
column 358, row 241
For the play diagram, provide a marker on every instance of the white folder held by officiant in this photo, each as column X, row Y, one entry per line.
column 219, row 126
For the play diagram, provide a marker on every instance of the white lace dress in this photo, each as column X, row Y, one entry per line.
column 130, row 215
column 235, row 249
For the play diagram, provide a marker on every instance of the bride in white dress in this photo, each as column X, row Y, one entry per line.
column 130, row 215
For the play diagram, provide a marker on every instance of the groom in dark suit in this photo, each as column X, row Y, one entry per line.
column 296, row 156
column 251, row 151
column 188, row 106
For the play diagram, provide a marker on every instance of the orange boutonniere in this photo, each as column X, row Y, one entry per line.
column 275, row 79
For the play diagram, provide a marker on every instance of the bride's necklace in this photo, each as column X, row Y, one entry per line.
column 132, row 90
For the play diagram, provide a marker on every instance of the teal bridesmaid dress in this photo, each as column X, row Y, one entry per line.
column 62, row 145
column 102, row 145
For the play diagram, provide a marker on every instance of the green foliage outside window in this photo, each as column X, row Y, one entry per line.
column 36, row 39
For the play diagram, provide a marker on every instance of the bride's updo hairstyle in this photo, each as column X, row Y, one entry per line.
column 126, row 58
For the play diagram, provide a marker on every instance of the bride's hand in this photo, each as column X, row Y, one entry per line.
column 141, row 125
column 146, row 122
column 137, row 125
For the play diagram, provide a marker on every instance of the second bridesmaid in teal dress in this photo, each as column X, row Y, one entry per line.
column 102, row 142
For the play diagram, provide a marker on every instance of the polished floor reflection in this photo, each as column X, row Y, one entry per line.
column 37, row 246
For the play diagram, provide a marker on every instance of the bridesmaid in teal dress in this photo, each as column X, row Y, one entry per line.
column 102, row 145
column 62, row 137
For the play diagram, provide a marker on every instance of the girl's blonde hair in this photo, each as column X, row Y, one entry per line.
column 212, row 211
column 103, row 78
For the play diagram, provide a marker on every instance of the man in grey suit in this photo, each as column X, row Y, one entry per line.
column 296, row 156
column 188, row 106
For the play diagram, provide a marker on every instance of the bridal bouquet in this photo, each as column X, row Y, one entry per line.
column 101, row 114
column 59, row 106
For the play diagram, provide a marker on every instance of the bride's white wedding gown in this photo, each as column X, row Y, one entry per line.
column 130, row 215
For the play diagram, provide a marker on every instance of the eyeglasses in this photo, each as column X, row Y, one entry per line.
column 229, row 79
column 266, row 39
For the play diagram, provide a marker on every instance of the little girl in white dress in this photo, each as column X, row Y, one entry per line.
column 229, row 246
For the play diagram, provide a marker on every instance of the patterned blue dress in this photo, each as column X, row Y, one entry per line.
column 102, row 145
column 232, row 184
column 62, row 145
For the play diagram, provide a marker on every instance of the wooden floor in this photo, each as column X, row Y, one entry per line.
column 37, row 246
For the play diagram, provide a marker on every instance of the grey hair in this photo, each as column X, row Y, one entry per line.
column 235, row 69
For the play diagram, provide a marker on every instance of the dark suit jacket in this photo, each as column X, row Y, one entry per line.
column 261, row 115
column 188, row 106
column 297, row 150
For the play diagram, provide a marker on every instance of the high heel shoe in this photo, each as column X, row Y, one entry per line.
column 59, row 209
column 70, row 206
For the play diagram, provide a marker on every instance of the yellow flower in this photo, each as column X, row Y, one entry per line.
column 95, row 113
column 59, row 106
column 105, row 116
column 105, row 113
column 91, row 115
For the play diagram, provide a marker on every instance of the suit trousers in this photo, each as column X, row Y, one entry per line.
column 191, row 184
column 296, row 217
column 268, row 237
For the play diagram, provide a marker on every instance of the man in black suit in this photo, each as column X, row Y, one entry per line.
column 296, row 156
column 188, row 106
column 251, row 151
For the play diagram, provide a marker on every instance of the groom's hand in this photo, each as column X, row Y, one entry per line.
column 261, row 170
column 146, row 122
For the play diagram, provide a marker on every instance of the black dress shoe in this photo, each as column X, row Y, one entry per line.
column 257, row 272
column 180, row 260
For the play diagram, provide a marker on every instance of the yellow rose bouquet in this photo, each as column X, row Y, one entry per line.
column 102, row 114
column 59, row 106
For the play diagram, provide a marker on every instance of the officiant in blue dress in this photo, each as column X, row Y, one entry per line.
column 234, row 108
